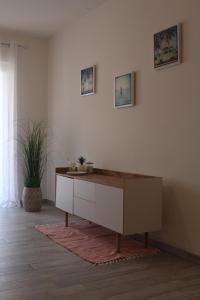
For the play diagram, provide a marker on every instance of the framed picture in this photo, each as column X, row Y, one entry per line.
column 167, row 47
column 88, row 81
column 124, row 90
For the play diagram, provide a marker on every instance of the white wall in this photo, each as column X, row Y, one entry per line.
column 32, row 79
column 160, row 135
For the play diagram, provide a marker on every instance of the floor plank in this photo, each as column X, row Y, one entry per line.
column 33, row 267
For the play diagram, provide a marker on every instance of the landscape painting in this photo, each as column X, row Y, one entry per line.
column 88, row 81
column 124, row 90
column 167, row 47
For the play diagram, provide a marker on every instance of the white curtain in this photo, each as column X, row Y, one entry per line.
column 8, row 126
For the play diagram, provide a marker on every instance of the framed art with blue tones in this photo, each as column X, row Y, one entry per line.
column 88, row 81
column 124, row 90
column 167, row 47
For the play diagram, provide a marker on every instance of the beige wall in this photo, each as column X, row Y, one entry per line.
column 160, row 135
column 32, row 79
column 32, row 75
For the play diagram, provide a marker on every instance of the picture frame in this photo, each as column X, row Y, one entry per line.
column 167, row 47
column 88, row 81
column 124, row 90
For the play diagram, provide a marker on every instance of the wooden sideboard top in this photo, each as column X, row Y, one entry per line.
column 105, row 177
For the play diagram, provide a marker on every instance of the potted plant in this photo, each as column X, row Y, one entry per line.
column 33, row 150
column 81, row 161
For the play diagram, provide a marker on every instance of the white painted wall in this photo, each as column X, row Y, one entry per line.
column 160, row 135
column 32, row 79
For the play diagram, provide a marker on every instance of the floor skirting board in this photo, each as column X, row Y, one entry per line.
column 157, row 244
column 170, row 249
column 48, row 202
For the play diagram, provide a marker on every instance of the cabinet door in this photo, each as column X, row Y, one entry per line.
column 109, row 207
column 84, row 189
column 64, row 193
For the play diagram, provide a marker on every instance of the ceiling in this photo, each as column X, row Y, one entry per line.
column 42, row 17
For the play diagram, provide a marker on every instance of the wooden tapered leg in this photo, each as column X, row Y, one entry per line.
column 146, row 238
column 66, row 219
column 118, row 242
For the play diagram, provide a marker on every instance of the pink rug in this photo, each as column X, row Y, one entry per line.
column 94, row 243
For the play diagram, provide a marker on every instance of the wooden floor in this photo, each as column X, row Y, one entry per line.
column 34, row 267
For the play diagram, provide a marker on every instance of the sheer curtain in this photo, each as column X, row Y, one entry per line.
column 8, row 126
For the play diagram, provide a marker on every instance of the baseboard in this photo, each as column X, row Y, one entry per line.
column 48, row 202
column 158, row 244
column 170, row 249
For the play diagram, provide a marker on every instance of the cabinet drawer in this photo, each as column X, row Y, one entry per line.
column 84, row 209
column 84, row 190
column 64, row 193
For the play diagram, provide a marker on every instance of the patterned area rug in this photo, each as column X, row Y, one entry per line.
column 94, row 243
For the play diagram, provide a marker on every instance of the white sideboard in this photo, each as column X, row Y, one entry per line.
column 124, row 203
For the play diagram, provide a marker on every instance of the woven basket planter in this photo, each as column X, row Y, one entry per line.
column 32, row 199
